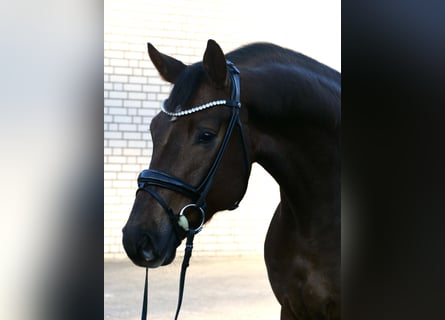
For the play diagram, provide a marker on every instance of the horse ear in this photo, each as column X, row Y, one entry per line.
column 215, row 63
column 169, row 68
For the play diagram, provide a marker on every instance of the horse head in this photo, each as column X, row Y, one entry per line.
column 199, row 163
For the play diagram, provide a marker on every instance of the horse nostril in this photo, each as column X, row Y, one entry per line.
column 145, row 248
column 148, row 255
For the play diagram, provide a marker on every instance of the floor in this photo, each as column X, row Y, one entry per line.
column 223, row 288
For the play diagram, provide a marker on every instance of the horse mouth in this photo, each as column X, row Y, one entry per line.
column 150, row 259
column 147, row 259
column 145, row 253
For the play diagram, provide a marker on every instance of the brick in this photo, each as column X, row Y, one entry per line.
column 126, row 176
column 110, row 175
column 149, row 71
column 122, row 71
column 139, row 45
column 118, row 78
column 137, row 95
column 115, row 248
column 117, row 151
column 109, row 240
column 118, row 95
column 144, row 111
column 122, row 119
column 112, row 135
column 145, row 126
column 117, row 111
column 108, row 69
column 151, row 104
column 118, row 46
column 117, row 143
column 107, row 151
column 113, row 102
column 137, row 79
column 166, row 89
column 131, row 160
column 113, row 54
column 162, row 96
column 132, row 135
column 131, row 55
column 127, row 127
column 119, row 62
column 132, row 103
column 146, row 136
column 132, row 152
column 136, row 144
column 122, row 184
column 152, row 88
column 117, row 159
column 131, row 168
column 132, row 87
column 156, row 80
column 143, row 161
column 112, row 167
column 148, row 66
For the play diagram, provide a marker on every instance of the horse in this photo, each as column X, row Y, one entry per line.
column 259, row 103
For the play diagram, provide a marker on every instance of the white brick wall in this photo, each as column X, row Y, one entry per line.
column 133, row 92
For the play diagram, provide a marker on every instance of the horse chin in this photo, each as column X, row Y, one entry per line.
column 147, row 260
column 169, row 259
column 147, row 251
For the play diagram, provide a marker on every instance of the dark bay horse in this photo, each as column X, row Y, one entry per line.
column 260, row 103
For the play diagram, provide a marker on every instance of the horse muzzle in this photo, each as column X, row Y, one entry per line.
column 145, row 251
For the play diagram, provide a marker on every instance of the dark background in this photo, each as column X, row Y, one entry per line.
column 393, row 81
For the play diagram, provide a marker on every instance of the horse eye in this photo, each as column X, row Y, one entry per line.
column 205, row 137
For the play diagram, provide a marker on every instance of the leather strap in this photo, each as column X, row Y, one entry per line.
column 173, row 218
column 185, row 264
column 145, row 300
column 164, row 180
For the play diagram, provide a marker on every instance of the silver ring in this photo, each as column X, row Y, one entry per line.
column 202, row 216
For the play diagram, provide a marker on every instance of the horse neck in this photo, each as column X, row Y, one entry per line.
column 302, row 153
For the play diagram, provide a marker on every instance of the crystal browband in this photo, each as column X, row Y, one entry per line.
column 201, row 107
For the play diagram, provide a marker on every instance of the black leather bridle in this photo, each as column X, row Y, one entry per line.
column 153, row 178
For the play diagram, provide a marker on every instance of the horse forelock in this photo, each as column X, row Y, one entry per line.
column 185, row 87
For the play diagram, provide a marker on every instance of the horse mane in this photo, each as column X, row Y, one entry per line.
column 275, row 96
column 293, row 87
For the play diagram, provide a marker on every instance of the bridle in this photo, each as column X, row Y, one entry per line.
column 153, row 178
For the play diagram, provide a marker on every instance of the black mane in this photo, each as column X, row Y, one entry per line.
column 263, row 52
column 288, row 86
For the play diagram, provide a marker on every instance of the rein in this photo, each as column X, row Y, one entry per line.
column 154, row 178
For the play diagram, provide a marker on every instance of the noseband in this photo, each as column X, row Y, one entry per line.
column 153, row 178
